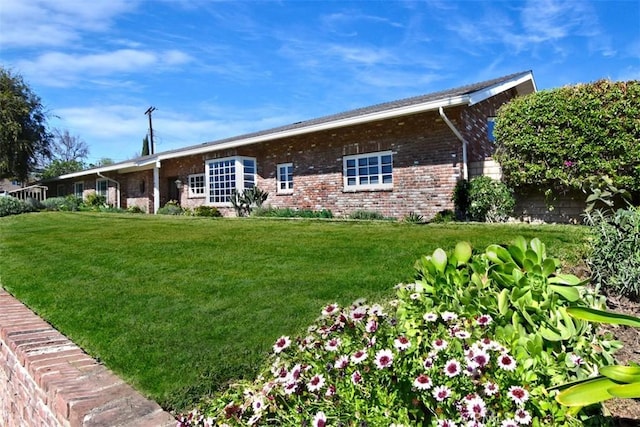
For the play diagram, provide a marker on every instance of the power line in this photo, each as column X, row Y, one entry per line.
column 148, row 112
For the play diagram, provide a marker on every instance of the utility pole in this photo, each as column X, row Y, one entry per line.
column 153, row 145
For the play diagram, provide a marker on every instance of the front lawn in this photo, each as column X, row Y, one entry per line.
column 178, row 306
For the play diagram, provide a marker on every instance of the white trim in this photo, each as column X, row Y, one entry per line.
column 199, row 195
column 75, row 191
column 287, row 190
column 380, row 185
column 239, row 177
column 481, row 95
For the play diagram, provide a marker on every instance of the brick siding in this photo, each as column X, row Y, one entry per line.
column 48, row 381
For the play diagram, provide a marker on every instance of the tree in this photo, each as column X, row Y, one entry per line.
column 24, row 137
column 60, row 167
column 561, row 139
column 68, row 155
column 105, row 161
column 145, row 146
column 68, row 147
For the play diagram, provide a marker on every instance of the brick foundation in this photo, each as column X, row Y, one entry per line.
column 47, row 380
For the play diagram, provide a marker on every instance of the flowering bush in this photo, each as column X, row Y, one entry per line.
column 449, row 351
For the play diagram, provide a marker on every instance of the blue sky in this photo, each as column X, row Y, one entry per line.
column 215, row 69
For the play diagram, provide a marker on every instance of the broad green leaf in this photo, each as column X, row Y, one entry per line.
column 601, row 316
column 549, row 335
column 567, row 279
column 538, row 248
column 587, row 393
column 517, row 253
column 624, row 374
column 548, row 267
column 503, row 301
column 498, row 254
column 570, row 293
column 627, row 391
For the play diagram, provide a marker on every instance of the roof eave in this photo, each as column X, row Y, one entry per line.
column 334, row 124
column 524, row 84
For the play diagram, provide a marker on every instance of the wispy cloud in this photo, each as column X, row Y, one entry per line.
column 41, row 23
column 62, row 69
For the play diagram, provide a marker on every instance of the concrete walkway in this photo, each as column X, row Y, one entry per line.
column 47, row 380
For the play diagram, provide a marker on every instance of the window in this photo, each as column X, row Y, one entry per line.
column 285, row 178
column 372, row 171
column 223, row 176
column 491, row 122
column 102, row 186
column 196, row 185
column 78, row 189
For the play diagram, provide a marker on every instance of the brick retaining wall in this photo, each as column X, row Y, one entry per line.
column 47, row 380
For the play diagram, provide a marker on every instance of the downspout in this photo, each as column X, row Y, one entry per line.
column 117, row 187
column 465, row 170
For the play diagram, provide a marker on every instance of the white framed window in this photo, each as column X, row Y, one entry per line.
column 78, row 189
column 223, row 176
column 196, row 185
column 102, row 187
column 371, row 171
column 284, row 178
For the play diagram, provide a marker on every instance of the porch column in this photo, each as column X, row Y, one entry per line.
column 156, row 187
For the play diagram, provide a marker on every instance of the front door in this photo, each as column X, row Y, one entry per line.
column 173, row 189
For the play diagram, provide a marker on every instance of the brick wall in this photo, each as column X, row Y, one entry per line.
column 48, row 381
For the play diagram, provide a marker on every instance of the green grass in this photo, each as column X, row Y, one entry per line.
column 178, row 306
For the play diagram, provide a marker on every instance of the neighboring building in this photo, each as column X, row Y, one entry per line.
column 394, row 158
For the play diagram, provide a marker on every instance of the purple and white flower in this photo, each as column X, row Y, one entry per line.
column 281, row 343
column 384, row 359
column 506, row 362
column 441, row 392
column 359, row 356
column 316, row 383
column 518, row 394
column 402, row 343
column 451, row 368
column 522, row 416
column 422, row 382
column 320, row 420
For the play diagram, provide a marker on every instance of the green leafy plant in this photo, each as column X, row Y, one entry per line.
column 172, row 207
column 366, row 215
column 135, row 209
column 557, row 139
column 272, row 212
column 95, row 200
column 444, row 216
column 10, row 205
column 615, row 256
column 245, row 201
column 613, row 381
column 413, row 218
column 208, row 211
column 489, row 200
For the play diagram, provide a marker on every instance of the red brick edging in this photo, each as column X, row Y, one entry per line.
column 47, row 380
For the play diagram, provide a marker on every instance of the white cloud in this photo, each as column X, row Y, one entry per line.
column 42, row 23
column 63, row 69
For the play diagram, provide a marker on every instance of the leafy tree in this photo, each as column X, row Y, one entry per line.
column 145, row 146
column 59, row 167
column 105, row 161
column 24, row 138
column 559, row 139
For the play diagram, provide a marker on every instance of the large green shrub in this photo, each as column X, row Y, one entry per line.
column 66, row 203
column 475, row 339
column 209, row 211
column 615, row 257
column 171, row 208
column 489, row 200
column 12, row 206
column 557, row 139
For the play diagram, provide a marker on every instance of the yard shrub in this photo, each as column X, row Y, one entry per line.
column 171, row 208
column 413, row 218
column 10, row 205
column 476, row 339
column 271, row 212
column 444, row 216
column 95, row 200
column 615, row 256
column 135, row 209
column 366, row 215
column 489, row 200
column 556, row 139
column 208, row 211
column 66, row 203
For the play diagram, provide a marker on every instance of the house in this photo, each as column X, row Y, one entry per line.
column 394, row 158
